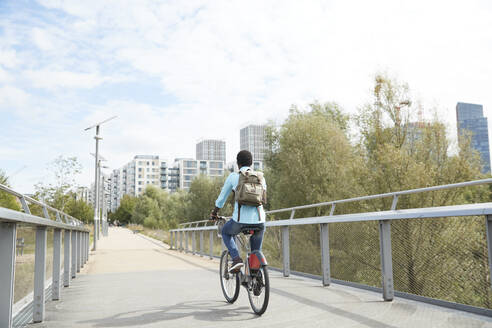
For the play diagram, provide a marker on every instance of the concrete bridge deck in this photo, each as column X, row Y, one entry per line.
column 133, row 282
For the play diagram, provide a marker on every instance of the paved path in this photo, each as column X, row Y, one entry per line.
column 133, row 282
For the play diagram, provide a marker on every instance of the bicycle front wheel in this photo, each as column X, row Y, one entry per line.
column 228, row 281
column 259, row 290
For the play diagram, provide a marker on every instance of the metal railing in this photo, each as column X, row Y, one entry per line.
column 384, row 221
column 75, row 253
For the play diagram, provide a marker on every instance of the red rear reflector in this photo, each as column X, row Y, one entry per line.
column 254, row 262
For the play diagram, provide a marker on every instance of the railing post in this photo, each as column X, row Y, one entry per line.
column 211, row 244
column 386, row 259
column 25, row 206
column 84, row 247
column 171, row 244
column 286, row 251
column 45, row 213
column 193, row 242
column 82, row 236
column 488, row 226
column 176, row 240
column 66, row 258
column 201, row 243
column 74, row 253
column 186, row 241
column 325, row 254
column 39, row 274
column 77, row 261
column 87, row 246
column 55, row 286
column 181, row 241
column 79, row 249
column 7, row 268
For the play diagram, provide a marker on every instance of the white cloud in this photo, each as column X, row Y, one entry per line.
column 4, row 76
column 42, row 39
column 12, row 98
column 51, row 80
column 223, row 63
column 8, row 58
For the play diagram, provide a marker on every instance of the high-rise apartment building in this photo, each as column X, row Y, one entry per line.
column 186, row 169
column 144, row 170
column 135, row 176
column 470, row 118
column 252, row 138
column 210, row 149
column 147, row 172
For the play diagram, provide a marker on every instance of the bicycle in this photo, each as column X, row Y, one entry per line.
column 254, row 277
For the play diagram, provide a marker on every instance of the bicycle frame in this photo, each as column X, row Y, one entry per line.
column 245, row 278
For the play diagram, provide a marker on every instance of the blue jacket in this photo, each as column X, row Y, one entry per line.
column 249, row 214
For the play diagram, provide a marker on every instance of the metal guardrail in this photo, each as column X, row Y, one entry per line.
column 75, row 252
column 384, row 219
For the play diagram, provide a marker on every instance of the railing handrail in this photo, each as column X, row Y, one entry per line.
column 394, row 194
column 389, row 194
column 37, row 202
column 8, row 215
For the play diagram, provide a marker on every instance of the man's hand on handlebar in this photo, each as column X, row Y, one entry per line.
column 215, row 214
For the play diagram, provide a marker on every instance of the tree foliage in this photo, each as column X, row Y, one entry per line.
column 124, row 212
column 79, row 209
column 59, row 193
column 7, row 200
column 311, row 158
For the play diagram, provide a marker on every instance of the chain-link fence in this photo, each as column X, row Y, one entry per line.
column 354, row 252
column 444, row 258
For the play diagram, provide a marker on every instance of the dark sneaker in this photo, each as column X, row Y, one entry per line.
column 237, row 264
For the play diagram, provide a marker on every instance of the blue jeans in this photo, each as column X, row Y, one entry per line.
column 232, row 228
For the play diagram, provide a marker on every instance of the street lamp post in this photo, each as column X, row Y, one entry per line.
column 104, row 219
column 96, row 180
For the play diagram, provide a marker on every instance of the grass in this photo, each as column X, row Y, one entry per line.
column 159, row 234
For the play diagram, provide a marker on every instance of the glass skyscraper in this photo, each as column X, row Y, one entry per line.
column 470, row 117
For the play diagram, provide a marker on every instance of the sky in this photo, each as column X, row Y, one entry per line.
column 175, row 72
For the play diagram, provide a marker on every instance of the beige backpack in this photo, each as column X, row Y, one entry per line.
column 249, row 190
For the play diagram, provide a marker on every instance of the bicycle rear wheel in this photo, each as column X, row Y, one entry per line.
column 228, row 281
column 259, row 291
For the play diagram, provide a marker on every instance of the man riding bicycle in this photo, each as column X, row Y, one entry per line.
column 243, row 215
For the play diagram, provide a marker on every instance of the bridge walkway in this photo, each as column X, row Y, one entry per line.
column 133, row 281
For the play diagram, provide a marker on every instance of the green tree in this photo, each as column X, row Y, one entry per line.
column 147, row 210
column 175, row 208
column 202, row 195
column 124, row 212
column 310, row 158
column 80, row 209
column 59, row 193
column 7, row 200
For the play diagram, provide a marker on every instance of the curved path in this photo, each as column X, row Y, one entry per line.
column 131, row 281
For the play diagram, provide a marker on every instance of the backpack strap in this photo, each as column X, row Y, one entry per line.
column 238, row 212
